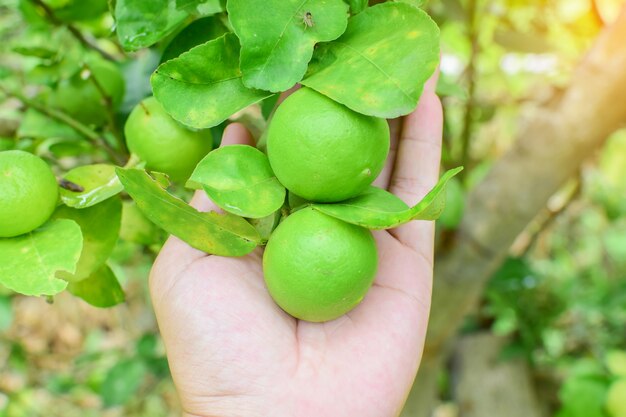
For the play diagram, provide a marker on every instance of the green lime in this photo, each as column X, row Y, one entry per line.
column 166, row 145
column 323, row 151
column 29, row 192
column 616, row 398
column 81, row 96
column 318, row 268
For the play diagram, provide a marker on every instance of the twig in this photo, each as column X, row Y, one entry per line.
column 108, row 104
column 466, row 134
column 79, row 127
column 551, row 216
column 87, row 43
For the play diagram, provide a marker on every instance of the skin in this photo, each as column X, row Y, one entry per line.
column 233, row 352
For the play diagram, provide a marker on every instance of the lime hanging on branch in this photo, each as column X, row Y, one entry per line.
column 163, row 143
column 306, row 195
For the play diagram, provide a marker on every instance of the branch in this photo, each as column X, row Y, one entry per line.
column 79, row 127
column 466, row 134
column 87, row 43
column 545, row 221
column 108, row 104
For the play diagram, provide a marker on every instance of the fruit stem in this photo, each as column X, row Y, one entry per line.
column 108, row 104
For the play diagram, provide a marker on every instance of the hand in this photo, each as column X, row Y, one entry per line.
column 233, row 352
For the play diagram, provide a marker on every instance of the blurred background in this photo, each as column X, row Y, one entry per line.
column 529, row 313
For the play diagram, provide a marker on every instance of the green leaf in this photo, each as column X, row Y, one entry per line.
column 198, row 32
column 137, row 73
column 278, row 36
column 450, row 88
column 357, row 6
column 146, row 346
column 162, row 179
column 141, row 23
column 266, row 225
column 380, row 64
column 455, row 205
column 414, row 3
column 122, row 381
column 218, row 234
column 37, row 125
column 98, row 182
column 379, row 209
column 6, row 313
column 100, row 226
column 137, row 228
column 100, row 289
column 202, row 87
column 267, row 105
column 201, row 7
column 70, row 11
column 583, row 397
column 28, row 263
column 375, row 208
column 239, row 179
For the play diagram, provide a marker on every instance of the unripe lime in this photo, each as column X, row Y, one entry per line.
column 318, row 268
column 28, row 191
column 166, row 145
column 323, row 151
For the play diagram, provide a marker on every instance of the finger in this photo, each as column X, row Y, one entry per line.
column 177, row 253
column 417, row 163
column 395, row 130
column 395, row 127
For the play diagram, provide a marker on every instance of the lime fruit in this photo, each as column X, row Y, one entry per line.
column 318, row 268
column 29, row 192
column 81, row 97
column 166, row 145
column 323, row 151
column 616, row 399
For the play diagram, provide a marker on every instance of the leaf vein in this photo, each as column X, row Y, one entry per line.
column 382, row 71
column 180, row 80
column 280, row 37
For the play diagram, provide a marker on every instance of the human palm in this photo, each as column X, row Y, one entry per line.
column 234, row 352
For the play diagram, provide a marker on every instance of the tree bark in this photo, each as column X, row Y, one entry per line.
column 506, row 386
column 551, row 145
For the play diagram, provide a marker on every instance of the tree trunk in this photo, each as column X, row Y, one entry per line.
column 506, row 386
column 551, row 145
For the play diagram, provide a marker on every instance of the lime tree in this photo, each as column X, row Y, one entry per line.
column 29, row 192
